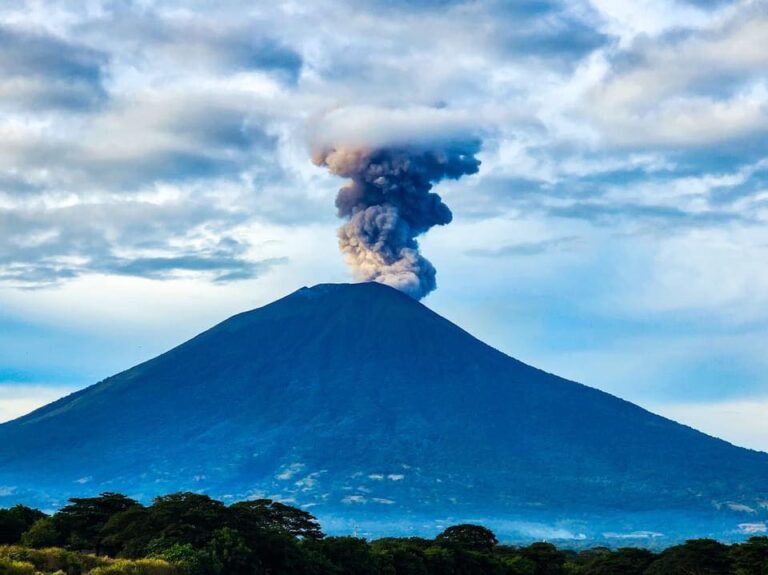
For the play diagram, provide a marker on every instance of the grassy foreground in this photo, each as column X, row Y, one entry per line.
column 17, row 560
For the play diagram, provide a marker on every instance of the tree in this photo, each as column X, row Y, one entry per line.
column 625, row 561
column 15, row 521
column 259, row 514
column 128, row 534
column 518, row 565
column 181, row 518
column 474, row 537
column 83, row 519
column 403, row 556
column 278, row 552
column 229, row 553
column 751, row 557
column 546, row 557
column 699, row 556
column 350, row 555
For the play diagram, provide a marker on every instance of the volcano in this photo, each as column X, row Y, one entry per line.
column 359, row 403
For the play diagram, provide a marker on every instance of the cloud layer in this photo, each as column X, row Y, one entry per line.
column 591, row 111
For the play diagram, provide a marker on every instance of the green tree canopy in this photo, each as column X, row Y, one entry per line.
column 259, row 514
column 15, row 521
column 470, row 536
column 625, row 561
column 548, row 560
column 181, row 518
column 697, row 556
column 82, row 520
column 751, row 557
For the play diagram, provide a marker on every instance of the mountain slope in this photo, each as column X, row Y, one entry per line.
column 358, row 400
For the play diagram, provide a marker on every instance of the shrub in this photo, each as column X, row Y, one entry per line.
column 138, row 567
column 53, row 559
column 11, row 567
column 43, row 533
column 188, row 560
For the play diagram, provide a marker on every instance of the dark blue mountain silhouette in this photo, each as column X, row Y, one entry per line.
column 359, row 402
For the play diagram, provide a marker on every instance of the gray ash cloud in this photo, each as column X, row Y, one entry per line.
column 389, row 202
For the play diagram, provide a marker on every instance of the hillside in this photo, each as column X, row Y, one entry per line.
column 359, row 402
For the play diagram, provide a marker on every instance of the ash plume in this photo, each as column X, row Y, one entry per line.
column 388, row 203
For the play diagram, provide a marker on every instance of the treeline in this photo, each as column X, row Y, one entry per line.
column 192, row 534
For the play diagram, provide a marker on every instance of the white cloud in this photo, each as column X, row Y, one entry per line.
column 689, row 89
column 753, row 528
column 288, row 471
column 741, row 422
column 354, row 499
column 19, row 399
column 360, row 126
column 628, row 19
column 707, row 269
column 633, row 535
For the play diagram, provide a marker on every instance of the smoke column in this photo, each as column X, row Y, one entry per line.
column 388, row 203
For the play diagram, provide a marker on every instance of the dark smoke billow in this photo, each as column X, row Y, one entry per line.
column 388, row 203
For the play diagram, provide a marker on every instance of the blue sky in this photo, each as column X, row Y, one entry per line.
column 156, row 177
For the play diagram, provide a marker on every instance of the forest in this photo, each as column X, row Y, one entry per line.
column 193, row 534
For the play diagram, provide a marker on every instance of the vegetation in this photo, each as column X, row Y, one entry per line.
column 192, row 534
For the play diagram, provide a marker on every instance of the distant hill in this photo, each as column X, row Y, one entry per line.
column 364, row 406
